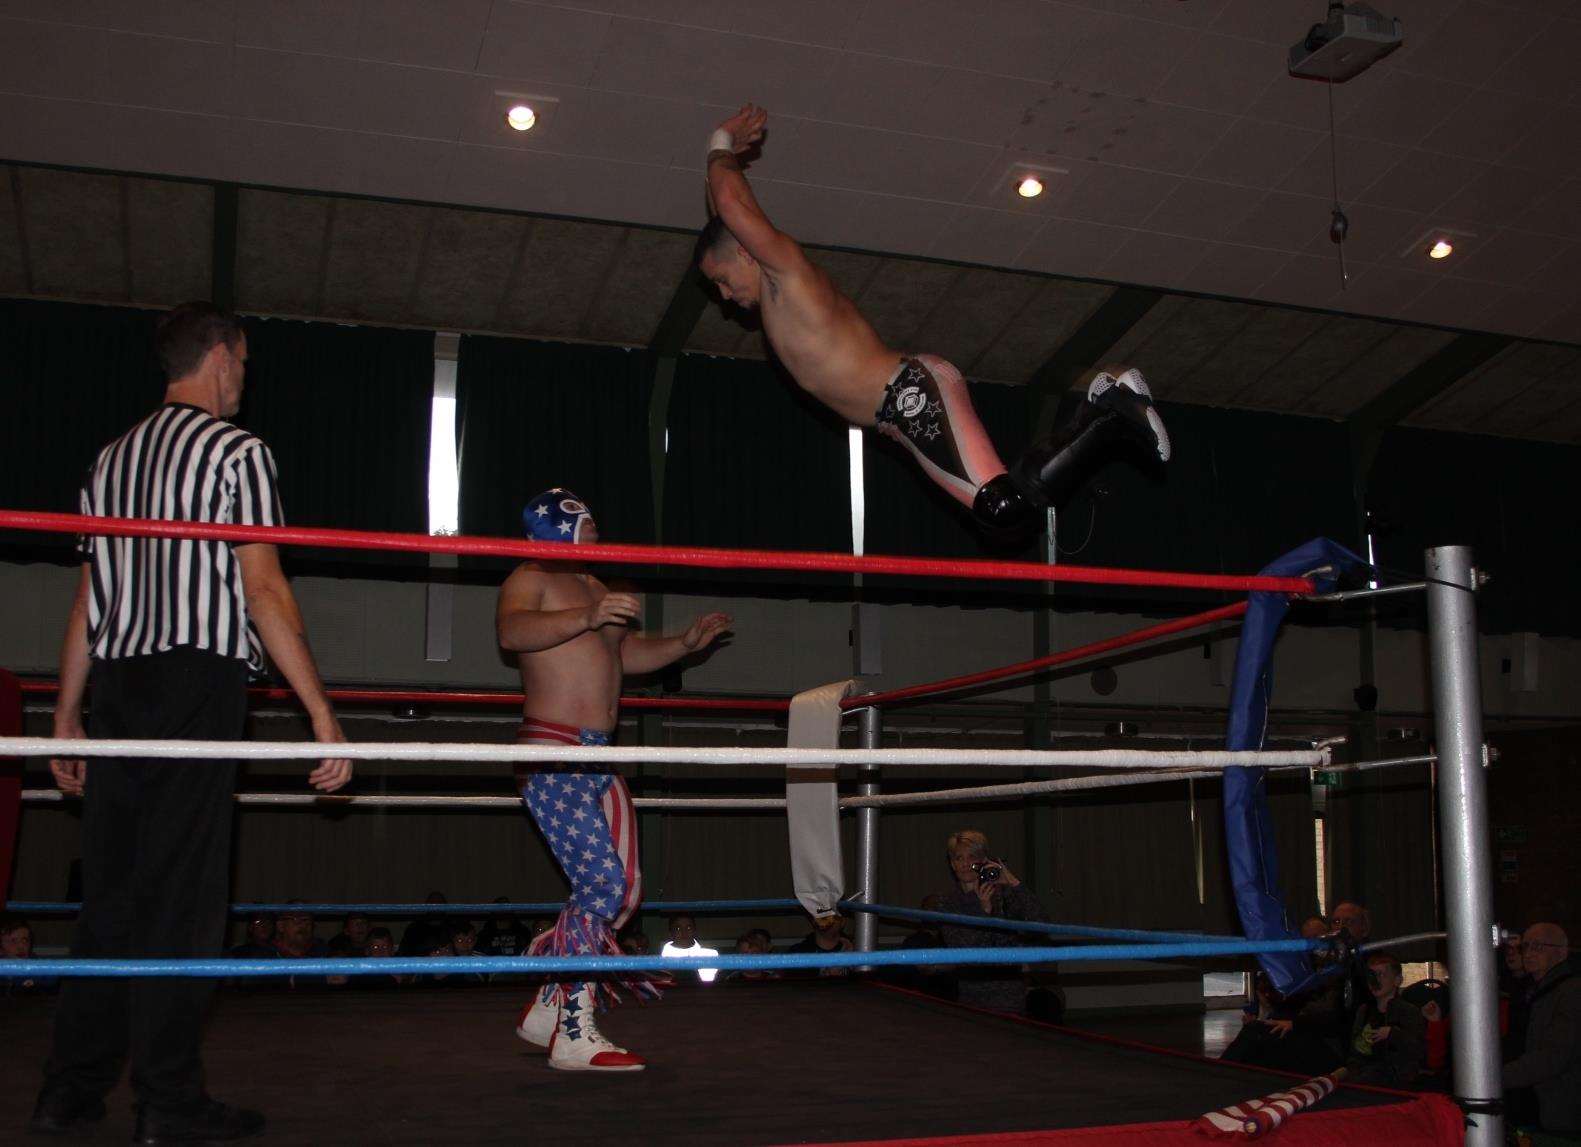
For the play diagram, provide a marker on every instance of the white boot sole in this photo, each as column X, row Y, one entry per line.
column 564, row 1066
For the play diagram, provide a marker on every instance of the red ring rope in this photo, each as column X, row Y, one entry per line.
column 648, row 555
column 1064, row 657
column 762, row 705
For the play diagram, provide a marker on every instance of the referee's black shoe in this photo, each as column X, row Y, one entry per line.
column 60, row 1110
column 208, row 1121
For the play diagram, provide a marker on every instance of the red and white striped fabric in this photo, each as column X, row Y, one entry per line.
column 1257, row 1117
column 621, row 816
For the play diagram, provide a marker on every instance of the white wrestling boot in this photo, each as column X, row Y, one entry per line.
column 1140, row 402
column 535, row 1025
column 578, row 1045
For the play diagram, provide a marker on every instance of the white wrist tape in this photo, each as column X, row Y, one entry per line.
column 721, row 140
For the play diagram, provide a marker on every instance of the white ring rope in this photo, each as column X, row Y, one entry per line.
column 431, row 752
column 681, row 804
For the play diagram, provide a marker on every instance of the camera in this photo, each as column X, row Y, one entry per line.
column 988, row 871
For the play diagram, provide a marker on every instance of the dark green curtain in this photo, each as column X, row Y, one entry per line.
column 1513, row 502
column 73, row 378
column 535, row 414
column 753, row 463
column 1380, row 836
column 1241, row 489
column 346, row 412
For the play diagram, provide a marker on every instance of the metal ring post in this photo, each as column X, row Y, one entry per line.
column 1467, row 855
column 872, row 730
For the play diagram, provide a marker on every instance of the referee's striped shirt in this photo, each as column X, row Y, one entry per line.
column 151, row 595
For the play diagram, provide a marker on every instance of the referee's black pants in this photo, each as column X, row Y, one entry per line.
column 156, row 842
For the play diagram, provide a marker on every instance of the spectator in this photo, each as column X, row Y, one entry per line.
column 933, row 979
column 1388, row 1036
column 683, row 942
column 1353, row 918
column 1550, row 1059
column 423, row 936
column 503, row 935
column 1356, row 922
column 353, row 937
column 1298, row 1035
column 294, row 939
column 463, row 943
column 16, row 943
column 752, row 944
column 539, row 927
column 381, row 946
column 436, row 979
column 1514, row 987
column 764, row 937
column 827, row 935
column 986, row 887
column 259, row 944
column 635, row 942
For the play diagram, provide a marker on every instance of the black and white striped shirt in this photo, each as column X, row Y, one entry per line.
column 150, row 595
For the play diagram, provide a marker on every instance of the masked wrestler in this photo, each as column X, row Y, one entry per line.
column 572, row 639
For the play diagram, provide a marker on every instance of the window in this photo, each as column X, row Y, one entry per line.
column 444, row 475
column 1226, row 986
column 858, row 492
column 1415, row 973
column 1322, row 864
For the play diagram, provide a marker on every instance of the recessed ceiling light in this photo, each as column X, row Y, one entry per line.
column 521, row 117
column 1441, row 249
column 1030, row 187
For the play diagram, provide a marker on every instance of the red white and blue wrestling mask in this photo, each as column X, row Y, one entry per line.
column 558, row 515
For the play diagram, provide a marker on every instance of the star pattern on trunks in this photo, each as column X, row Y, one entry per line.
column 565, row 806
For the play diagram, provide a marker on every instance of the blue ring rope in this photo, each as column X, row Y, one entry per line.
column 231, row 969
column 1034, row 926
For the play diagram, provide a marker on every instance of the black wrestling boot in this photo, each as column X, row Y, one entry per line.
column 61, row 1110
column 1115, row 408
column 1003, row 510
column 208, row 1121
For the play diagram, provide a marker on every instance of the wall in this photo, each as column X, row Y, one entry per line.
column 371, row 632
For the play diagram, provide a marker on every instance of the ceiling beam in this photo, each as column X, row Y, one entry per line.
column 1419, row 386
column 222, row 264
column 681, row 315
column 1106, row 326
column 670, row 336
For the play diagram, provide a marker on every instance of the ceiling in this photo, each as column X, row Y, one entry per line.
column 1177, row 153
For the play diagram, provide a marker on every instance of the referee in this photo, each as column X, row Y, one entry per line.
column 167, row 632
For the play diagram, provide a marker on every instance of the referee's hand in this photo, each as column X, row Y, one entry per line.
column 332, row 774
column 68, row 773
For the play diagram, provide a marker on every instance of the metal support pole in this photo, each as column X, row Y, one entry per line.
column 1467, row 853
column 872, row 730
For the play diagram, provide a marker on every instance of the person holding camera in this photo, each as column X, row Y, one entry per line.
column 985, row 886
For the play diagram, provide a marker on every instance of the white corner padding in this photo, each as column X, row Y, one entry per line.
column 812, row 799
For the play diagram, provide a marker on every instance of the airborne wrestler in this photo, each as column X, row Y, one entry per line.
column 918, row 400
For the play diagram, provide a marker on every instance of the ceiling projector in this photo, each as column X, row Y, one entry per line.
column 1351, row 40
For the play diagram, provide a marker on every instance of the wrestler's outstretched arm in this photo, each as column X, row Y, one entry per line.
column 730, row 196
column 522, row 625
column 649, row 654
